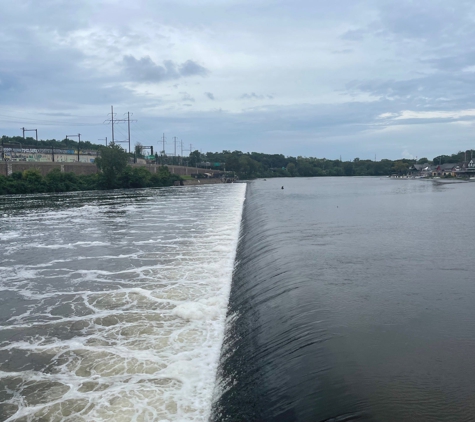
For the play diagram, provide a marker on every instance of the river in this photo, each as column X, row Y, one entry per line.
column 351, row 299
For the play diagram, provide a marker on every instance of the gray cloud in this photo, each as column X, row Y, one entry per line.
column 429, row 20
column 435, row 91
column 187, row 97
column 344, row 51
column 146, row 70
column 354, row 34
column 8, row 83
column 254, row 96
column 191, row 68
column 410, row 56
column 453, row 62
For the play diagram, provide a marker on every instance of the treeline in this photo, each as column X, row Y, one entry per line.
column 31, row 181
column 255, row 165
column 115, row 174
column 49, row 143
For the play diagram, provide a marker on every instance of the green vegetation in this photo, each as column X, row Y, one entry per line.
column 116, row 174
column 49, row 143
column 113, row 162
column 31, row 181
column 254, row 165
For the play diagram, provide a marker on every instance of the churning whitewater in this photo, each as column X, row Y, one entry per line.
column 113, row 304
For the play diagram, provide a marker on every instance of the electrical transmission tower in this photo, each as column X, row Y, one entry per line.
column 114, row 121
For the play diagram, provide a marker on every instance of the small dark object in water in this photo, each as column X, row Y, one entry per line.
column 282, row 187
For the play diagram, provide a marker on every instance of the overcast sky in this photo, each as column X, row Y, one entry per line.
column 303, row 77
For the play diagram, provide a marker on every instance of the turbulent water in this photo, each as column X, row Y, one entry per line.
column 112, row 305
column 353, row 299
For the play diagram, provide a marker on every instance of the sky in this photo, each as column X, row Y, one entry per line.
column 349, row 78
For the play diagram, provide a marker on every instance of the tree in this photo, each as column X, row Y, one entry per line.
column 291, row 169
column 195, row 158
column 112, row 162
column 400, row 167
column 139, row 149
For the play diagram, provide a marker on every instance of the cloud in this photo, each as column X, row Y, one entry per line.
column 344, row 51
column 435, row 91
column 191, row 68
column 254, row 96
column 354, row 34
column 187, row 97
column 378, row 75
column 145, row 70
column 428, row 20
column 8, row 82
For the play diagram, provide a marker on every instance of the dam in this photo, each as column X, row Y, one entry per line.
column 333, row 299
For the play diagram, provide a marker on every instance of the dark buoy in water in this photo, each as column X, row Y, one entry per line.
column 282, row 187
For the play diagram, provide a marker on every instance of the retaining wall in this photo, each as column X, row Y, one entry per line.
column 8, row 167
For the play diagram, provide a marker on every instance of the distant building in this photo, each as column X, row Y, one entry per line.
column 421, row 170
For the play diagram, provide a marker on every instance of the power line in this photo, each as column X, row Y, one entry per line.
column 114, row 121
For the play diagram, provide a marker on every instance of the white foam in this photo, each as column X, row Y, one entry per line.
column 145, row 302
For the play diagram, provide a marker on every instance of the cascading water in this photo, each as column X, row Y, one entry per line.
column 352, row 299
column 112, row 305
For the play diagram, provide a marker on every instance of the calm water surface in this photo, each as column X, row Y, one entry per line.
column 353, row 299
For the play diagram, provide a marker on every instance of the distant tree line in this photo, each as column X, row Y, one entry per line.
column 255, row 165
column 248, row 165
column 49, row 143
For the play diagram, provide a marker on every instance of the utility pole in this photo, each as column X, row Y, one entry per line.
column 30, row 130
column 112, row 122
column 128, row 126
column 79, row 141
column 175, row 145
column 180, row 162
column 163, row 144
column 103, row 139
